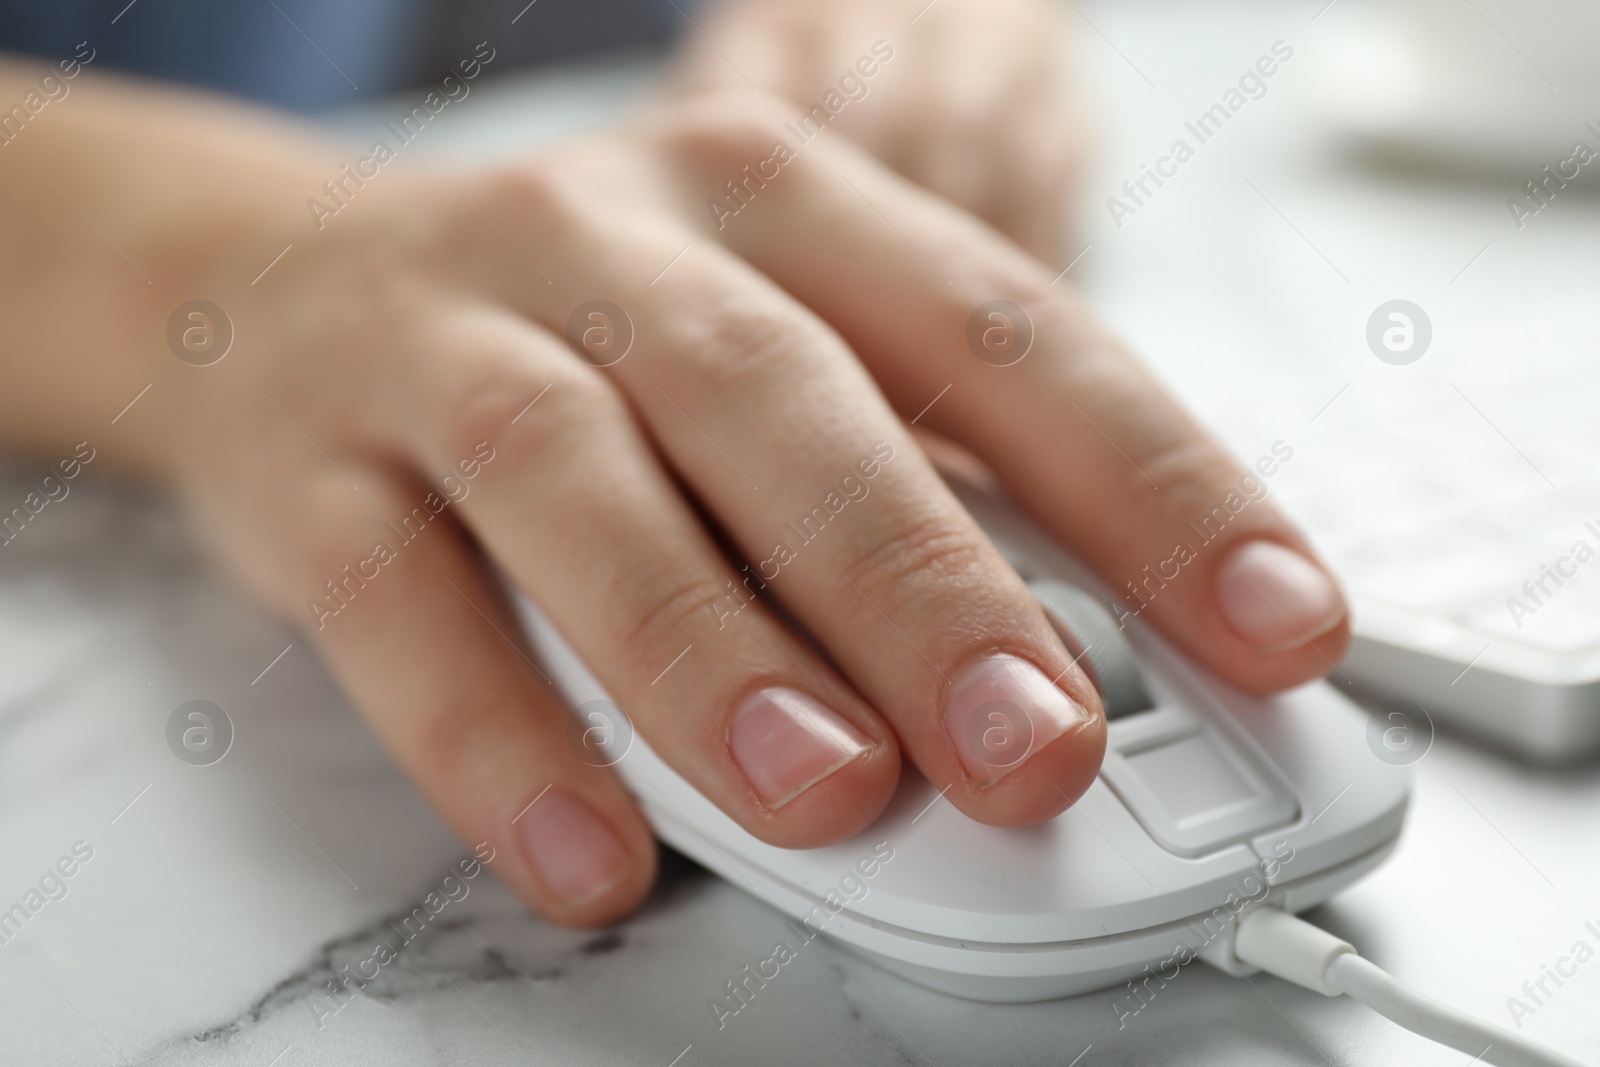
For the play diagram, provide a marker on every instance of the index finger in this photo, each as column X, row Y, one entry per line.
column 1074, row 426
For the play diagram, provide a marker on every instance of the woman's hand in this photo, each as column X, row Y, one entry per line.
column 423, row 388
column 964, row 97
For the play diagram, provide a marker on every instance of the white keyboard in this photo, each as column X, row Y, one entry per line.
column 1437, row 492
column 1441, row 514
column 1248, row 283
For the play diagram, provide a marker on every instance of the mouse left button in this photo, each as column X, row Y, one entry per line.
column 1092, row 635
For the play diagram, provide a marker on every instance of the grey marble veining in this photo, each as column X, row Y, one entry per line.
column 221, row 901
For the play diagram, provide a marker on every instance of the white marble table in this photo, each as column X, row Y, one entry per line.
column 220, row 900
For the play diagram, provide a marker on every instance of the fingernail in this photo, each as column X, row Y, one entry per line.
column 1001, row 710
column 1275, row 598
column 575, row 853
column 785, row 742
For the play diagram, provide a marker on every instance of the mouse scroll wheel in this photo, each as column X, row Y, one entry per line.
column 1092, row 635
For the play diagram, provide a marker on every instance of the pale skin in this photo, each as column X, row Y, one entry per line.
column 974, row 106
column 419, row 324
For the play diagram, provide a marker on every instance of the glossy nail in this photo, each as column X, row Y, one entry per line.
column 574, row 851
column 1275, row 598
column 1001, row 710
column 785, row 742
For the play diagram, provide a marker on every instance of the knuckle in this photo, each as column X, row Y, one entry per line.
column 449, row 742
column 672, row 612
column 529, row 203
column 1159, row 444
column 330, row 537
column 1194, row 473
column 913, row 569
column 726, row 127
column 487, row 399
column 537, row 187
column 584, row 192
column 736, row 349
column 1027, row 287
column 446, row 735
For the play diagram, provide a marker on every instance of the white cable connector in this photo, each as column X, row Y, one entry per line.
column 1290, row 948
column 1296, row 951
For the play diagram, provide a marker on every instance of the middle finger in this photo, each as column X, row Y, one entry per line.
column 788, row 443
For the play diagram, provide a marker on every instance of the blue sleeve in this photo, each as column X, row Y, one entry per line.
column 312, row 54
column 300, row 54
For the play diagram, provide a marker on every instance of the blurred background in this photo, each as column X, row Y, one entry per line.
column 310, row 55
column 1397, row 151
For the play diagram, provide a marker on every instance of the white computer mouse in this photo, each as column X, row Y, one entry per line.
column 1209, row 803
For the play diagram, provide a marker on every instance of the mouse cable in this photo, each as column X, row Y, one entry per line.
column 1298, row 952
